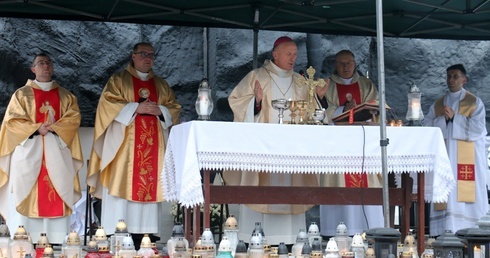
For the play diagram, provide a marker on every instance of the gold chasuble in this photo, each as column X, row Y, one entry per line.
column 239, row 100
column 47, row 191
column 466, row 151
column 128, row 159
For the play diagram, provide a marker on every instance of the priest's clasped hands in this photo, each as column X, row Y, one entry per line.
column 148, row 107
column 45, row 128
column 448, row 113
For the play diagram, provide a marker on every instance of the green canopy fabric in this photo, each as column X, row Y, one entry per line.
column 436, row 19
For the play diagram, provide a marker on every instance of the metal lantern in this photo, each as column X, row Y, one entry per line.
column 484, row 222
column 414, row 111
column 385, row 241
column 204, row 102
column 448, row 245
column 478, row 241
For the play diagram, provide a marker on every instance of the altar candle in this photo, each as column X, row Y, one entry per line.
column 204, row 103
column 477, row 252
column 415, row 109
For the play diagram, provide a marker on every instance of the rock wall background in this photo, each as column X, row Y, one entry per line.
column 87, row 53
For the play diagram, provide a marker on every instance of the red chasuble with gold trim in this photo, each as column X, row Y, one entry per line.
column 47, row 111
column 145, row 166
column 352, row 180
column 344, row 89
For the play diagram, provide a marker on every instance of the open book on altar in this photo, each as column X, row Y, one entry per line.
column 363, row 112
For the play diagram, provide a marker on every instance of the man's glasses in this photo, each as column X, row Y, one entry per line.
column 344, row 63
column 43, row 63
column 145, row 54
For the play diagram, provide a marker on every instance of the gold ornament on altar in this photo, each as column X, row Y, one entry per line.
column 302, row 106
column 293, row 107
column 312, row 84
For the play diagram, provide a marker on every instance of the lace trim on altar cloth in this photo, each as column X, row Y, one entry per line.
column 438, row 183
column 313, row 164
column 187, row 189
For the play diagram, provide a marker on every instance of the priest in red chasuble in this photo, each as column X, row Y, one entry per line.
column 135, row 111
column 346, row 90
column 461, row 117
column 40, row 155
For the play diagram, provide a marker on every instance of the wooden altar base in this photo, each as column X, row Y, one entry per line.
column 401, row 197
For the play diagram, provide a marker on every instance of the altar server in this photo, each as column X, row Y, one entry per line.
column 461, row 117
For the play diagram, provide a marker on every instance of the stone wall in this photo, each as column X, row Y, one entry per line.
column 87, row 53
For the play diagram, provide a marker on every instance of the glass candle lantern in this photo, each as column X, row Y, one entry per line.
column 342, row 238
column 204, row 102
column 73, row 248
column 231, row 232
column 20, row 245
column 414, row 111
column 119, row 233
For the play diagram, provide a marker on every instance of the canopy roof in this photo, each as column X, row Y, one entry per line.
column 443, row 19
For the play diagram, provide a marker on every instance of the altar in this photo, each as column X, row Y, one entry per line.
column 283, row 148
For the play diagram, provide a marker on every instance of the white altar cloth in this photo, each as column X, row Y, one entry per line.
column 284, row 148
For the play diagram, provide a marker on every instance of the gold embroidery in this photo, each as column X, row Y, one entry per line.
column 51, row 190
column 145, row 155
column 466, row 172
column 21, row 252
column 356, row 181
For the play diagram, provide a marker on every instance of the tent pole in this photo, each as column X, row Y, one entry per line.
column 255, row 50
column 382, row 121
column 205, row 52
column 256, row 39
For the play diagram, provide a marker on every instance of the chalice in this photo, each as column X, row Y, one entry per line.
column 293, row 107
column 280, row 105
column 302, row 106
